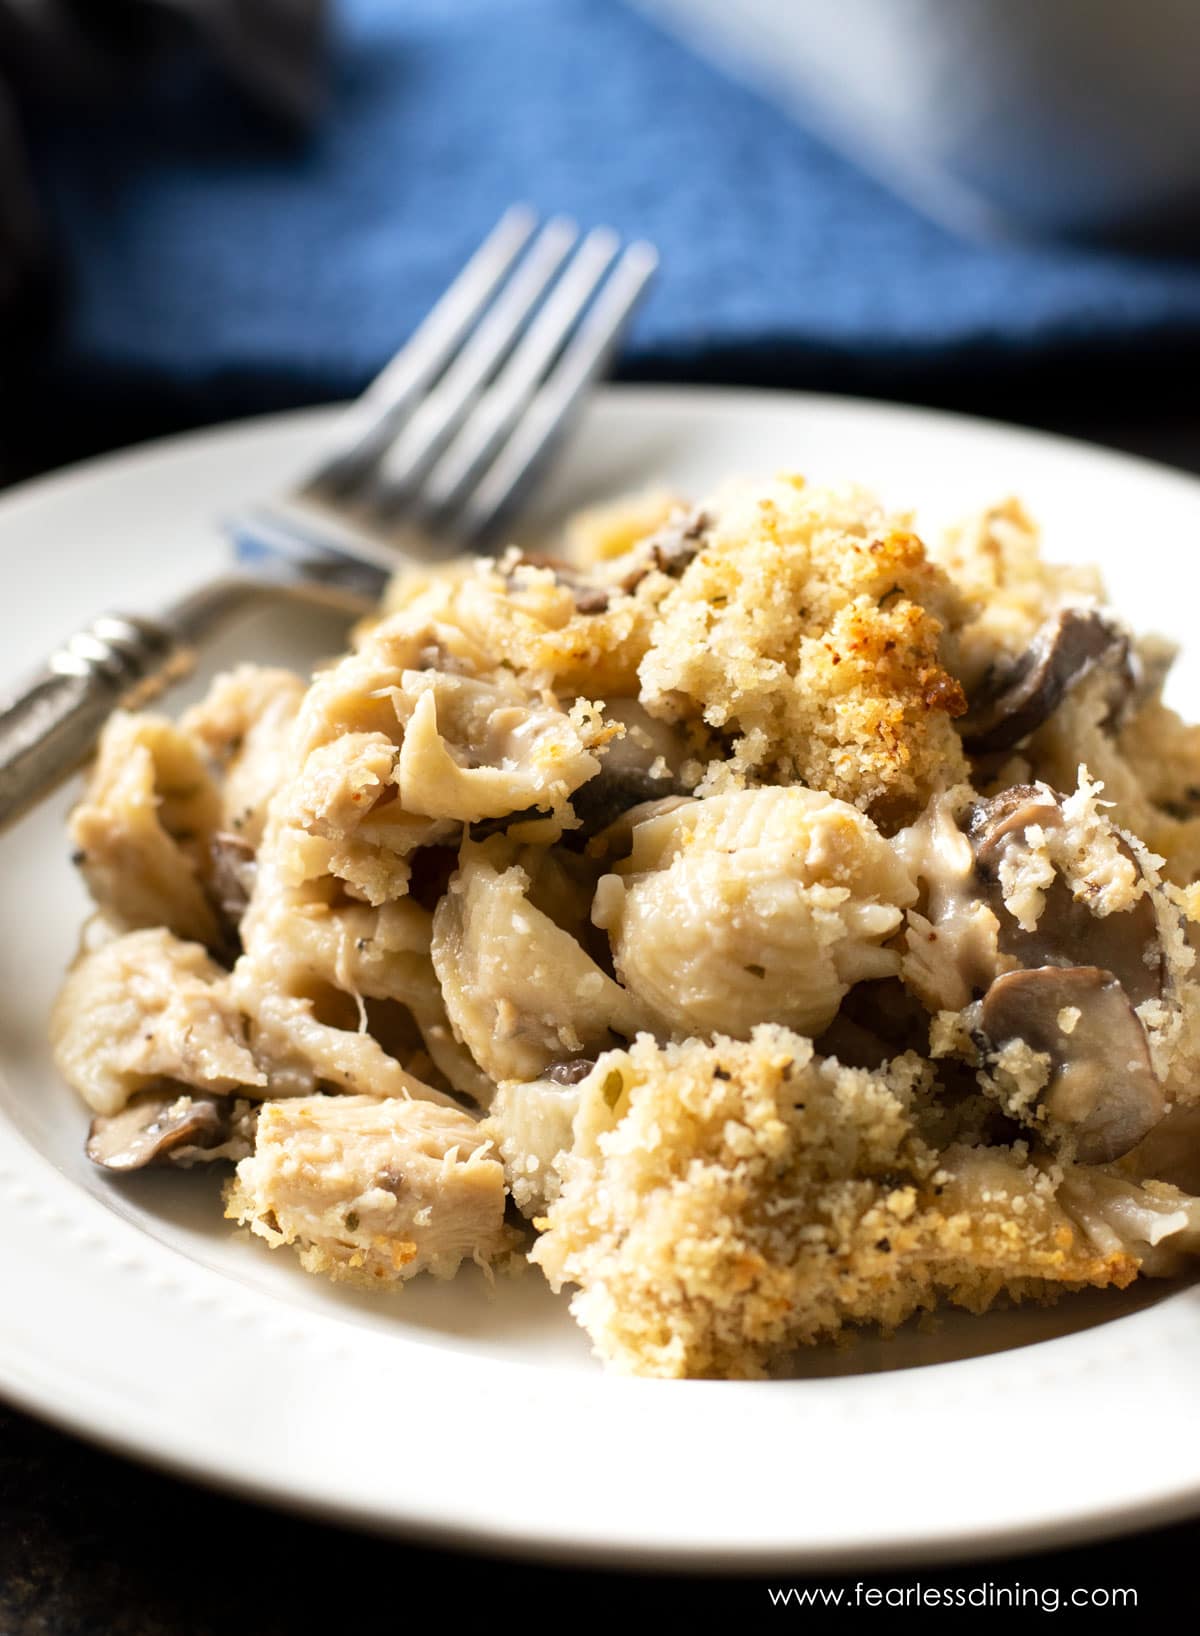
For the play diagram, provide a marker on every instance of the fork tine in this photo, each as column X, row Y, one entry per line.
column 537, row 431
column 473, row 405
column 371, row 424
column 502, row 405
column 435, row 421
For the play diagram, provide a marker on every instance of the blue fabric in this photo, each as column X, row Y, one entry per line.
column 207, row 257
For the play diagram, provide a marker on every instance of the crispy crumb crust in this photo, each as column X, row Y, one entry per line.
column 810, row 626
column 725, row 1203
column 995, row 562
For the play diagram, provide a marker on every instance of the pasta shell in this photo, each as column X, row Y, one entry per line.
column 762, row 906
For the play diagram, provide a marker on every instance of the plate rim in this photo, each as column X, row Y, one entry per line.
column 110, row 461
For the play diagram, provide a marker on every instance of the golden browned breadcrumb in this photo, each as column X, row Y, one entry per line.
column 995, row 561
column 810, row 625
column 518, row 614
column 723, row 1203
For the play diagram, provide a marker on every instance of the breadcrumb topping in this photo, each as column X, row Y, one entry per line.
column 809, row 628
column 726, row 1202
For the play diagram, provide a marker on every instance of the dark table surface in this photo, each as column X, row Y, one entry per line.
column 91, row 1545
column 94, row 1545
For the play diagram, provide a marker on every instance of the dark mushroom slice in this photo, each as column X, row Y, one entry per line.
column 1102, row 1091
column 1171, row 1152
column 570, row 1073
column 611, row 794
column 590, row 598
column 1150, row 665
column 231, row 876
column 669, row 549
column 990, row 823
column 1014, row 700
column 640, row 766
column 430, row 870
column 155, row 1128
column 1128, row 944
column 482, row 828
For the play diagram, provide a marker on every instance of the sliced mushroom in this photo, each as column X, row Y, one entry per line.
column 990, row 823
column 570, row 1073
column 1067, row 933
column 1014, row 701
column 1171, row 1152
column 231, row 876
column 641, row 765
column 157, row 1127
column 671, row 548
column 484, row 827
column 590, row 598
column 1102, row 1091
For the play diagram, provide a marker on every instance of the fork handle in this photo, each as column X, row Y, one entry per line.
column 51, row 724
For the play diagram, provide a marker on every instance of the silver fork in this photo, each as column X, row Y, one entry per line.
column 436, row 456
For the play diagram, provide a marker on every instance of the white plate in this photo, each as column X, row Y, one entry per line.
column 133, row 1316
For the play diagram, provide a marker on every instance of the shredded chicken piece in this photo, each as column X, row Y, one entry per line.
column 143, row 828
column 372, row 1192
column 244, row 724
column 146, row 1007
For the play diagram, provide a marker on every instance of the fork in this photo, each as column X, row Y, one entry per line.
column 436, row 456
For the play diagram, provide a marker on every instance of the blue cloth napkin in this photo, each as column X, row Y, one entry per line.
column 215, row 266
